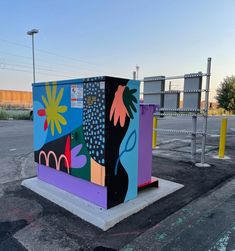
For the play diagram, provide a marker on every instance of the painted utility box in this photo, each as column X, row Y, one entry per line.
column 86, row 134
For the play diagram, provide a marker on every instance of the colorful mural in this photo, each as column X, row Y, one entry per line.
column 88, row 129
column 122, row 126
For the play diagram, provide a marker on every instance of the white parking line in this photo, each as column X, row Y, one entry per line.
column 213, row 135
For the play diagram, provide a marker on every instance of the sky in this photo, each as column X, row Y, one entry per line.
column 80, row 38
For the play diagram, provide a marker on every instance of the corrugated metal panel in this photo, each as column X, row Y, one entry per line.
column 15, row 98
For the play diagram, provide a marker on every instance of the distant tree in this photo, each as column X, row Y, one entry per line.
column 226, row 94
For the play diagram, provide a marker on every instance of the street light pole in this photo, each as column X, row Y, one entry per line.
column 31, row 33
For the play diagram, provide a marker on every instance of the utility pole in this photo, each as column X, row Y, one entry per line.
column 137, row 72
column 134, row 75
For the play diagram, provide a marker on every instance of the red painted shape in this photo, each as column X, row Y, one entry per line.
column 153, row 180
column 45, row 125
column 67, row 152
column 41, row 112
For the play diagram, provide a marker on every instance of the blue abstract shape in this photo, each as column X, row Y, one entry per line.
column 128, row 147
column 130, row 160
column 40, row 134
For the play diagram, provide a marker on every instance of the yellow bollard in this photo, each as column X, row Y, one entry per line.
column 154, row 137
column 223, row 132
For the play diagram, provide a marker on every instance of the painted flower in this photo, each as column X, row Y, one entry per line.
column 123, row 105
column 53, row 109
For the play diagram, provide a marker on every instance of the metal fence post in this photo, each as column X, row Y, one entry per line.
column 194, row 138
column 205, row 115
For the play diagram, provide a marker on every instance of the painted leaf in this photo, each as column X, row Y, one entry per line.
column 118, row 109
column 130, row 100
column 77, row 161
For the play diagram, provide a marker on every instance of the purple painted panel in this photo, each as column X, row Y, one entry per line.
column 145, row 143
column 79, row 187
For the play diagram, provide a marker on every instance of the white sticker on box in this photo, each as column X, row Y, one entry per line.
column 76, row 96
column 102, row 85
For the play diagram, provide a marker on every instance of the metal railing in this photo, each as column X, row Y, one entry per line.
column 194, row 113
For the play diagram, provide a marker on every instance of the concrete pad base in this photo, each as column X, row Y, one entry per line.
column 202, row 165
column 225, row 157
column 102, row 218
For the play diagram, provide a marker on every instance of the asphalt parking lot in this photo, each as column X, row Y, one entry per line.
column 30, row 222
